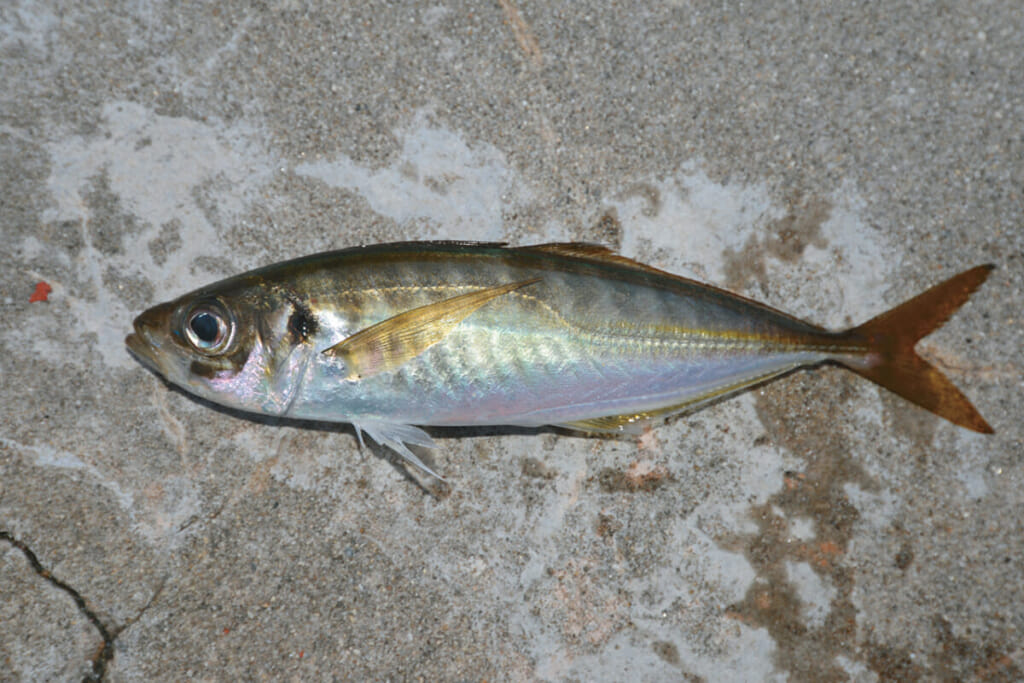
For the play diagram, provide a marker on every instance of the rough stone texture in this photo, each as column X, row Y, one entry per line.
column 827, row 159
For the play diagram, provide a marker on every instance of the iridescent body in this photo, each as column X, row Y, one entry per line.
column 447, row 333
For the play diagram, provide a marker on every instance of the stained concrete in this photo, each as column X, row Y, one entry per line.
column 828, row 160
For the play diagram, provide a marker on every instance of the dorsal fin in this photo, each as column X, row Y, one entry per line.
column 601, row 255
column 597, row 253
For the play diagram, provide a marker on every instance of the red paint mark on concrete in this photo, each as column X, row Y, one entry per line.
column 42, row 292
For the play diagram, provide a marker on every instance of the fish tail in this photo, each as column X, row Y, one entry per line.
column 891, row 361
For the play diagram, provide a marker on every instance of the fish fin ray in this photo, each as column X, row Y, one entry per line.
column 891, row 361
column 395, row 341
column 633, row 423
column 594, row 252
column 395, row 435
column 601, row 255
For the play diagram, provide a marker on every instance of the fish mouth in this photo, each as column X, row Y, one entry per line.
column 144, row 342
column 142, row 350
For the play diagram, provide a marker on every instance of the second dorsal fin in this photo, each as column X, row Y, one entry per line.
column 594, row 252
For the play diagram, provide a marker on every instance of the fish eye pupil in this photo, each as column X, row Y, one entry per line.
column 206, row 327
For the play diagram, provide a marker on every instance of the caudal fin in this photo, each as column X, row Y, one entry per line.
column 893, row 363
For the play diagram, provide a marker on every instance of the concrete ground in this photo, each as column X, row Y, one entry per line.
column 829, row 159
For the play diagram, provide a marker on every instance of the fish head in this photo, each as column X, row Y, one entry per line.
column 221, row 343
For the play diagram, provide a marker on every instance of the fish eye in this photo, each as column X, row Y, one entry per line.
column 208, row 329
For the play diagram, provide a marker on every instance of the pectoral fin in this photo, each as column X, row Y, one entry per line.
column 397, row 340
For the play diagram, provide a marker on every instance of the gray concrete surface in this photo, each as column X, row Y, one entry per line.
column 828, row 159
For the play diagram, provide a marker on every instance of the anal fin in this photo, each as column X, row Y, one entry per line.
column 633, row 423
column 628, row 423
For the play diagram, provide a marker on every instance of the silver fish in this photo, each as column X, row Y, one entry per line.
column 391, row 336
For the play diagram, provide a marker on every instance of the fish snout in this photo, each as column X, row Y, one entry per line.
column 152, row 329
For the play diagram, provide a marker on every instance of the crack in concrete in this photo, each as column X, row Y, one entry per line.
column 105, row 652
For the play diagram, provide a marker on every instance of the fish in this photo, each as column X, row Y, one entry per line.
column 395, row 337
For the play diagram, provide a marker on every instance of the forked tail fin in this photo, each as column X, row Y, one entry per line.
column 893, row 363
